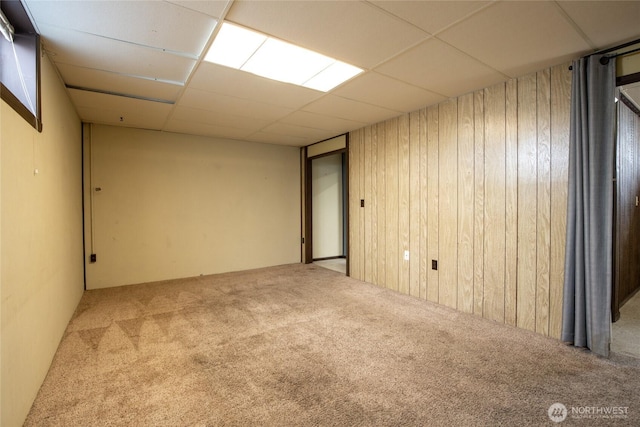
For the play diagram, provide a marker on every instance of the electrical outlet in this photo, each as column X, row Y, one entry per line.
column 93, row 258
column 406, row 255
column 362, row 203
column 434, row 264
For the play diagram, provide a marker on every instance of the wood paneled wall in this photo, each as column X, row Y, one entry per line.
column 477, row 183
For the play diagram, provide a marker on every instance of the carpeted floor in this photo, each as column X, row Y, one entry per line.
column 302, row 346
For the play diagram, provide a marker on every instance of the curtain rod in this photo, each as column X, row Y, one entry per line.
column 611, row 49
column 605, row 59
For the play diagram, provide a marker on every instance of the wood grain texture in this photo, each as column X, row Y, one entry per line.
column 465, row 214
column 560, row 106
column 372, row 205
column 511, row 204
column 432, row 201
column 494, row 213
column 527, row 202
column 478, row 204
column 478, row 183
column 354, row 205
column 543, row 115
column 404, row 210
column 414, row 204
column 448, row 203
column 382, row 204
column 392, row 203
column 365, row 158
column 361, row 210
column 423, row 191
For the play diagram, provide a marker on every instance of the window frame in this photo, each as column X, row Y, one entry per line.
column 14, row 10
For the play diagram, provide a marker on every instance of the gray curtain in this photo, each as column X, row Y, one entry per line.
column 586, row 317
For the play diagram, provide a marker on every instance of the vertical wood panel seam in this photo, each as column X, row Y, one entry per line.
column 439, row 200
column 457, row 201
column 535, row 287
column 535, row 295
column 504, row 270
column 517, row 178
column 484, row 196
column 549, row 261
column 473, row 221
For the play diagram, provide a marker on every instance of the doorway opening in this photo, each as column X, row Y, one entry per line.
column 328, row 201
column 325, row 233
column 625, row 297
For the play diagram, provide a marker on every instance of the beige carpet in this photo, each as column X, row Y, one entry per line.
column 302, row 346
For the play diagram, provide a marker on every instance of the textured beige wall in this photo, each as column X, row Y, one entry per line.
column 327, row 206
column 174, row 206
column 629, row 64
column 333, row 144
column 41, row 236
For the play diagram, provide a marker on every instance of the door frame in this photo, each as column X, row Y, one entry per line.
column 616, row 303
column 307, row 193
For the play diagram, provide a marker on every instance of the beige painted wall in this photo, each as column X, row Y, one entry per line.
column 628, row 64
column 41, row 237
column 478, row 183
column 327, row 146
column 174, row 206
column 327, row 206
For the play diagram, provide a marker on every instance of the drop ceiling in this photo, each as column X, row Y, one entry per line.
column 140, row 63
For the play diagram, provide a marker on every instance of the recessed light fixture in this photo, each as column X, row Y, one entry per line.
column 247, row 50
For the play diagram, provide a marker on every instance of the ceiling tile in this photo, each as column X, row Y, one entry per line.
column 108, row 109
column 186, row 114
column 163, row 25
column 203, row 129
column 336, row 106
column 212, row 8
column 415, row 54
column 376, row 89
column 431, row 16
column 240, row 84
column 320, row 121
column 424, row 66
column 111, row 55
column 272, row 138
column 605, row 22
column 517, row 37
column 118, row 83
column 219, row 103
column 354, row 32
column 298, row 131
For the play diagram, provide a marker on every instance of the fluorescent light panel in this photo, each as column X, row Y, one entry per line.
column 256, row 53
